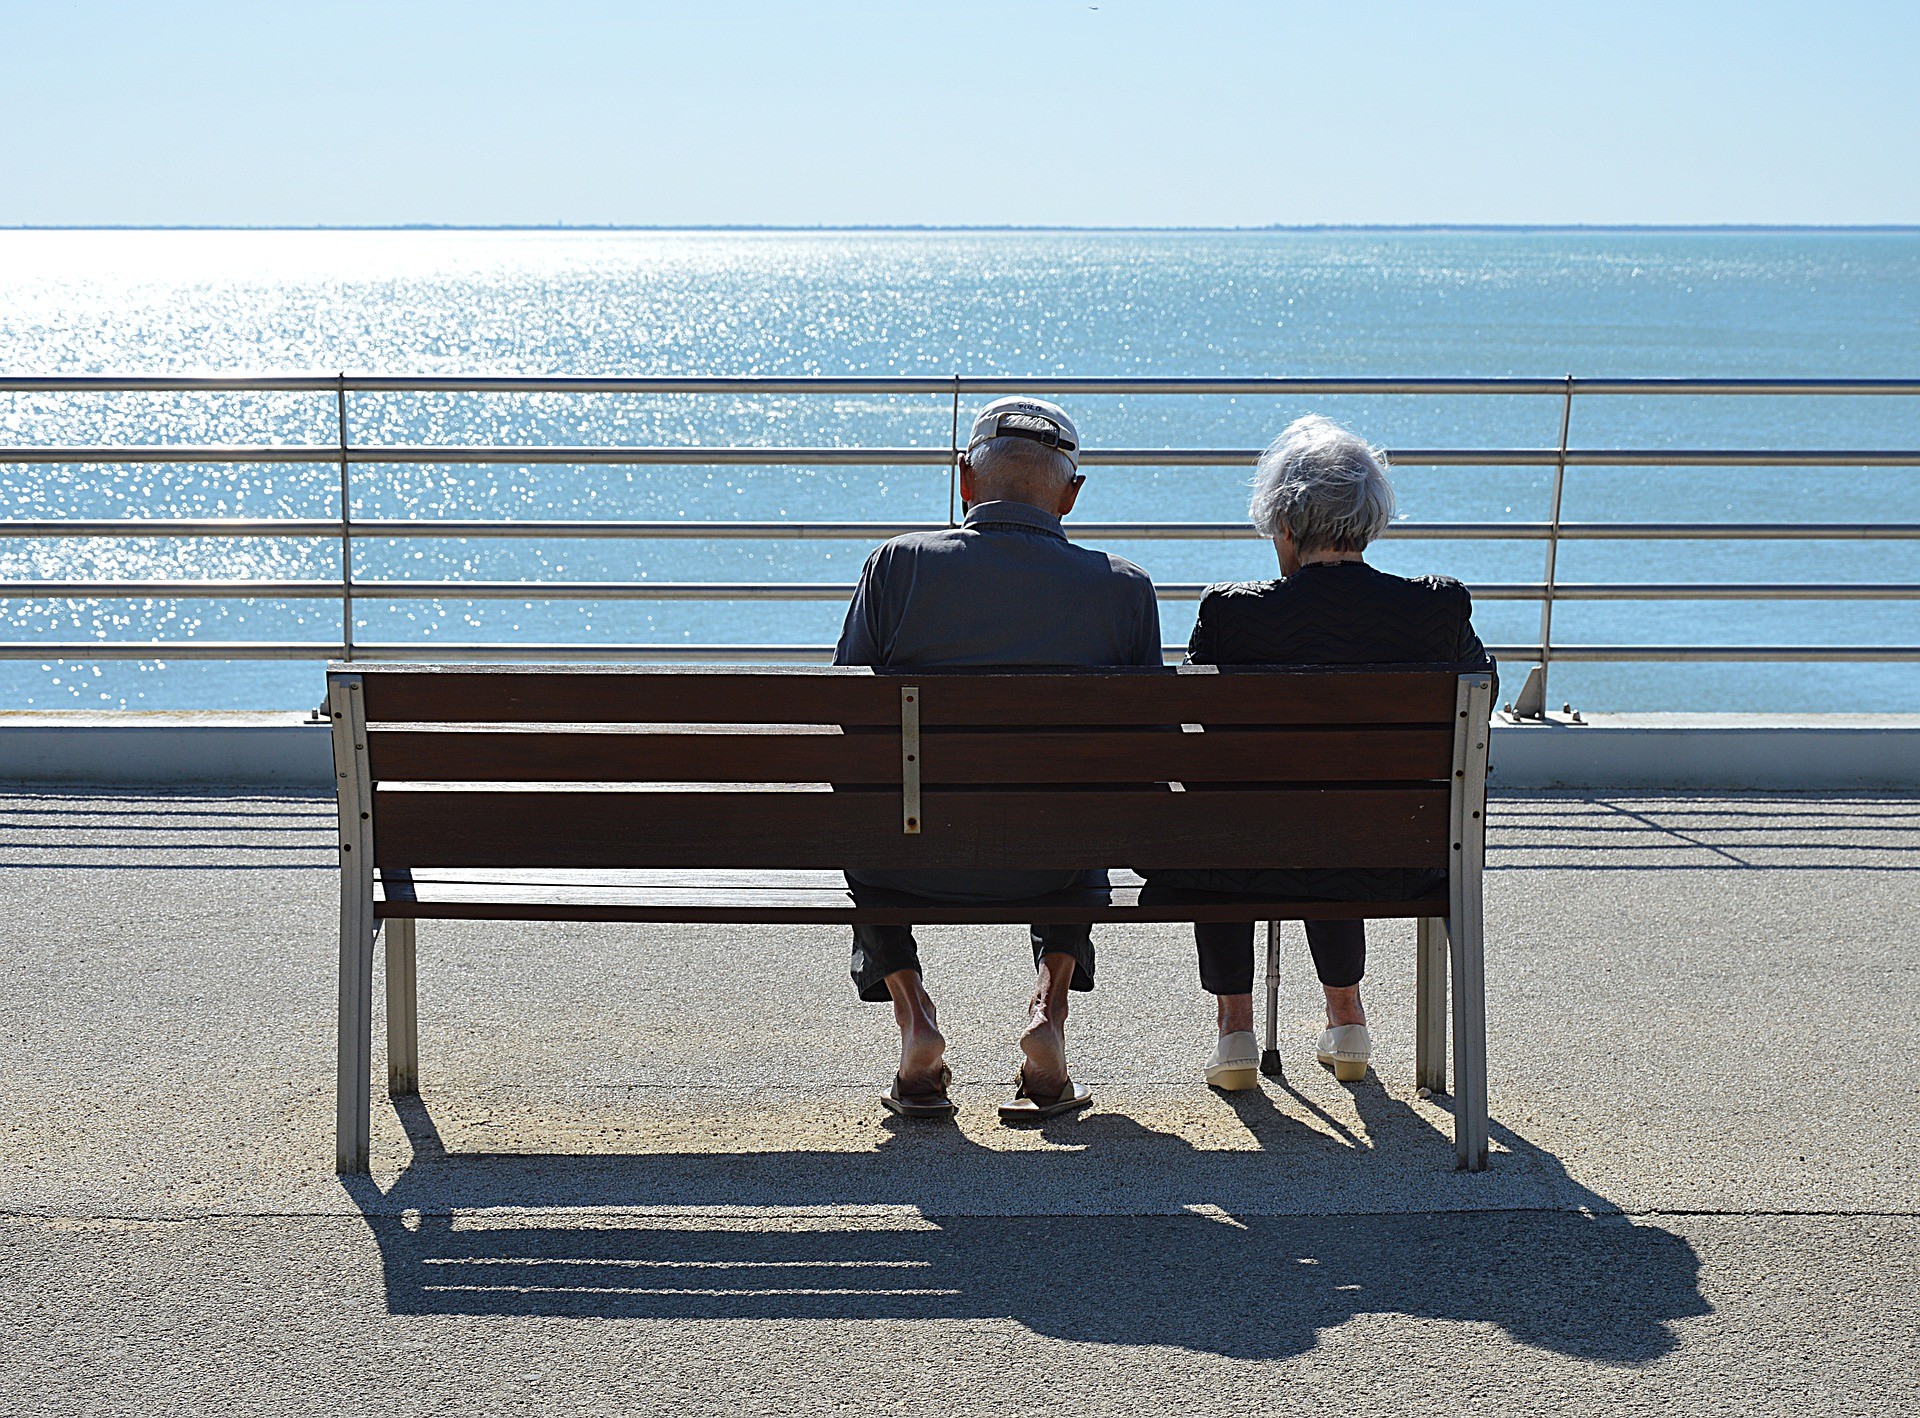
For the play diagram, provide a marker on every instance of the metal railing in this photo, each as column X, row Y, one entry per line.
column 347, row 455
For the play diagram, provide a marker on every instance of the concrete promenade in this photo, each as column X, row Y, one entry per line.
column 648, row 1173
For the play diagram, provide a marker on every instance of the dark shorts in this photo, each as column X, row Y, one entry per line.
column 879, row 951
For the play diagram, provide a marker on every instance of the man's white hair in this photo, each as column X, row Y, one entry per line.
column 1324, row 486
column 1020, row 462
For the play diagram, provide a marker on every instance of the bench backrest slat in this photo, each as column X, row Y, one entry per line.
column 829, row 754
column 485, row 766
column 818, row 695
column 1062, row 829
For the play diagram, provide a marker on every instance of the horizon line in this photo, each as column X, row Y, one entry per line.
column 1882, row 227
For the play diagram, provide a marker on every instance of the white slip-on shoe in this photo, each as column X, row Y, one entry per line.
column 1235, row 1063
column 1345, row 1049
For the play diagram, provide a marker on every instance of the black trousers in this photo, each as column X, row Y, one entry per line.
column 878, row 951
column 1339, row 947
column 1226, row 954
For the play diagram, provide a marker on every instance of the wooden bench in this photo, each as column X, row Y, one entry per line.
column 675, row 794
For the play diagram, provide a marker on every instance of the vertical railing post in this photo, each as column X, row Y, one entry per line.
column 953, row 459
column 1553, row 542
column 346, row 523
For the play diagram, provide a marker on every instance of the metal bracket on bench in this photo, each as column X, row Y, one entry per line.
column 910, row 760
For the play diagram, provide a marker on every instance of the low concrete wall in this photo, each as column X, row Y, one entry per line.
column 1798, row 753
column 146, row 749
column 1807, row 753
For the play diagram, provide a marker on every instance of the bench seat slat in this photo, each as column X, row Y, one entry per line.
column 499, row 754
column 772, row 898
column 1043, row 829
column 847, row 695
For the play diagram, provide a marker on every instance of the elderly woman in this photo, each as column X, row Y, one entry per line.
column 1322, row 495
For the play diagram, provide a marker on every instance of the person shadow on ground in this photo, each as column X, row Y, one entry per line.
column 1189, row 1260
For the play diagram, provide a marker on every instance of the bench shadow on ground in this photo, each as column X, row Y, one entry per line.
column 475, row 1233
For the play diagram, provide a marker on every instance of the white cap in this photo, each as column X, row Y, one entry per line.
column 1021, row 417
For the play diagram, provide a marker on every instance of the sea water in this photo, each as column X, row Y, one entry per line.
column 1542, row 303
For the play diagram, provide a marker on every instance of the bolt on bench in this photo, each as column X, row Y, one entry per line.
column 674, row 794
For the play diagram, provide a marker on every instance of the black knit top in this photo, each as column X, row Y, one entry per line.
column 1338, row 613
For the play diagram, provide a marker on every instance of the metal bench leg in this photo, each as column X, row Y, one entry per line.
column 403, row 1016
column 1466, row 921
column 353, row 1083
column 1270, row 1060
column 1430, row 1009
column 353, row 1119
column 1469, row 1036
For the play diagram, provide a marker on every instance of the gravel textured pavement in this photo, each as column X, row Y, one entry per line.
column 648, row 1173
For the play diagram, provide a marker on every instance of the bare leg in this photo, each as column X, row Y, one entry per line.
column 1236, row 1014
column 1045, row 1040
column 923, row 1047
column 1343, row 1006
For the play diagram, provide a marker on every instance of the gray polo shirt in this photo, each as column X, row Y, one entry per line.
column 1005, row 587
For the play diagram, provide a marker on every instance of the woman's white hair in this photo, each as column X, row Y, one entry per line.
column 1324, row 486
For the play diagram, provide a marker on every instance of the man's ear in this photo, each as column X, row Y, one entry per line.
column 1071, row 494
column 966, row 480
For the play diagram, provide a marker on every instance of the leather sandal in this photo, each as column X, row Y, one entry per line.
column 931, row 1104
column 1028, row 1107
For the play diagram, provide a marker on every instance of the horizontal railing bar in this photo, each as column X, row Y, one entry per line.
column 1854, row 387
column 422, row 590
column 479, row 454
column 180, row 589
column 1709, row 458
column 424, row 652
column 928, row 384
column 1708, row 591
column 171, row 650
column 488, row 455
column 161, row 453
column 820, row 654
column 184, row 589
column 1695, row 531
column 183, row 527
column 618, row 590
column 168, row 383
column 881, row 531
column 1719, row 654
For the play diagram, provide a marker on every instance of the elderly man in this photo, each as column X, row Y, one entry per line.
column 1005, row 587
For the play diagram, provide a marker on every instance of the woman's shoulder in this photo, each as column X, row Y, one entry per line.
column 1436, row 600
column 1227, row 599
column 1440, row 587
column 1226, row 591
column 1435, row 591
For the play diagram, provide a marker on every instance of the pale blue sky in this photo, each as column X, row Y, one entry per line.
column 1128, row 112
